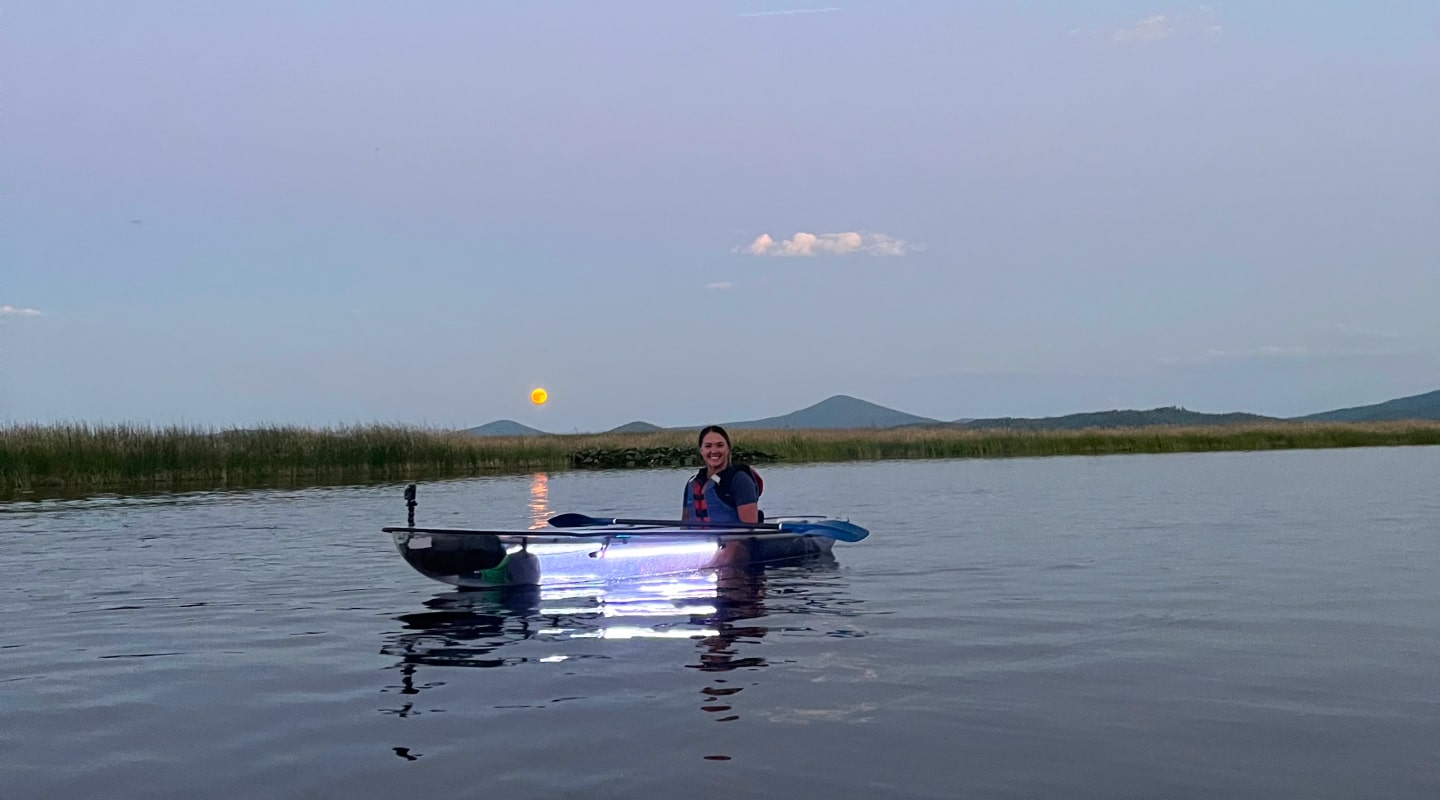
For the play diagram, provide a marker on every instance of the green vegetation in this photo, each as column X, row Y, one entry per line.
column 80, row 457
column 654, row 456
column 951, row 442
column 109, row 458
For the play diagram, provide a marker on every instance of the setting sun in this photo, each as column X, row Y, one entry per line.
column 539, row 396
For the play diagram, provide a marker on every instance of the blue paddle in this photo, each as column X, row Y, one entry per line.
column 836, row 529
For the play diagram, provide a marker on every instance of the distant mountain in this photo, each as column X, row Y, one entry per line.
column 503, row 427
column 840, row 411
column 636, row 427
column 1419, row 406
column 843, row 411
column 1116, row 419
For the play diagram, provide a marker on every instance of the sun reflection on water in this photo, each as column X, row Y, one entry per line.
column 539, row 500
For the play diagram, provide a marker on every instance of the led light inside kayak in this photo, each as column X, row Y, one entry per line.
column 653, row 550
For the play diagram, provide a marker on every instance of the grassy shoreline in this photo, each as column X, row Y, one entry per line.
column 36, row 458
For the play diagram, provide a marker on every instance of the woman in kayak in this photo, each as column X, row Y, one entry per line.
column 721, row 492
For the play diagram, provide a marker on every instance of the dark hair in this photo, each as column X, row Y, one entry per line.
column 700, row 442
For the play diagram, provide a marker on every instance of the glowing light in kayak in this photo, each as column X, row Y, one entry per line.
column 654, row 550
column 538, row 396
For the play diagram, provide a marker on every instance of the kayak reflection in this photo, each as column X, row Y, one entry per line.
column 740, row 595
column 715, row 611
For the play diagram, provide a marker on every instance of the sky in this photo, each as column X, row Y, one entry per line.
column 336, row 213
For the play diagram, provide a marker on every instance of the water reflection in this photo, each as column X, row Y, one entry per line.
column 721, row 614
column 539, row 500
column 741, row 596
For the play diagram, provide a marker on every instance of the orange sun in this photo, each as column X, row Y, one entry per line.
column 539, row 396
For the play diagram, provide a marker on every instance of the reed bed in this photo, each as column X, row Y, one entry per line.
column 857, row 445
column 93, row 458
column 129, row 456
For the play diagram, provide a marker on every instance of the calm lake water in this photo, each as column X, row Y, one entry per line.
column 1234, row 625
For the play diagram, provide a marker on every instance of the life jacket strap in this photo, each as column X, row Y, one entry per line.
column 697, row 498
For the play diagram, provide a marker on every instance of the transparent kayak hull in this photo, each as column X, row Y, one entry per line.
column 546, row 557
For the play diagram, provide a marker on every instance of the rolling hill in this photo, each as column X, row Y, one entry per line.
column 840, row 411
column 503, row 427
column 843, row 411
column 1128, row 418
column 638, row 426
column 1418, row 406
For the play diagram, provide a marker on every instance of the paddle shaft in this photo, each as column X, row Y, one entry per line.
column 583, row 521
column 769, row 526
column 544, row 534
column 836, row 529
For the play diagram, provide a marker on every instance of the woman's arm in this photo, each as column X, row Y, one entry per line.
column 747, row 498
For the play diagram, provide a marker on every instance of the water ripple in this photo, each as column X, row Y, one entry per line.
column 1227, row 625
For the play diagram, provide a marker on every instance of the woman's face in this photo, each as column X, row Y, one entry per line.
column 716, row 451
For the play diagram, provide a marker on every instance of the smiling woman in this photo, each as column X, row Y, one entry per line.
column 721, row 492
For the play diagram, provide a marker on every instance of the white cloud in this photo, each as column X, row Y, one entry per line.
column 1203, row 21
column 720, row 285
column 1151, row 29
column 840, row 244
column 12, row 311
column 762, row 243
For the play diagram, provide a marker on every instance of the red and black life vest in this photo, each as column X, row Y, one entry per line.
column 722, row 480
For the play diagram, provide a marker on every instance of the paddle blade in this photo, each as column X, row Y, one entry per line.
column 577, row 521
column 837, row 529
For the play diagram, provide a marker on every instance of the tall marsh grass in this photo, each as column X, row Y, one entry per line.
column 85, row 458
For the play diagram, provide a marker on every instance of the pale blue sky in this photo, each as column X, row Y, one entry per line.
column 336, row 212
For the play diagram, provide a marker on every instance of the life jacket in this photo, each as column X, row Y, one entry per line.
column 723, row 480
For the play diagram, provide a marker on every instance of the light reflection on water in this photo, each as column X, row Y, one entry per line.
column 539, row 500
column 720, row 612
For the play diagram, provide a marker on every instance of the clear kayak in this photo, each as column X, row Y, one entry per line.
column 479, row 559
column 574, row 549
